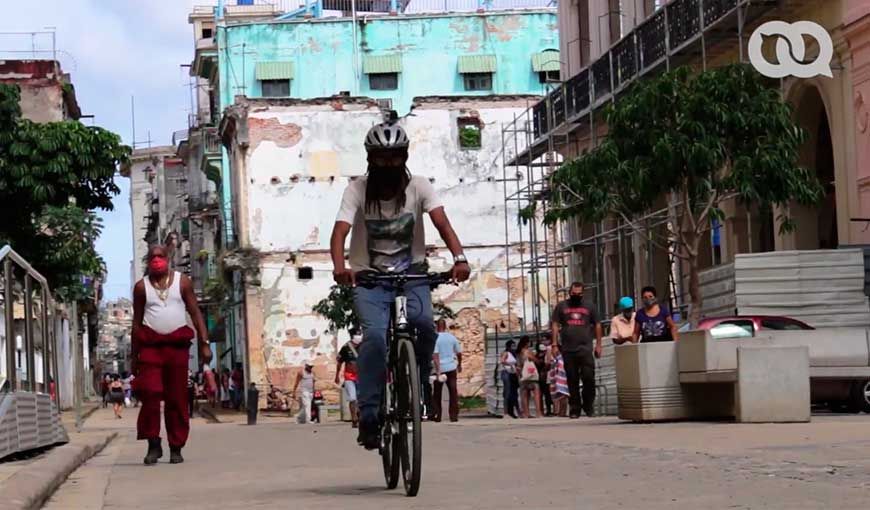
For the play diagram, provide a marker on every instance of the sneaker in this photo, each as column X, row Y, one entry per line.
column 155, row 452
column 369, row 434
column 574, row 416
column 590, row 412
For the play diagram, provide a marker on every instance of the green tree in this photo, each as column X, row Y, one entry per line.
column 701, row 138
column 51, row 176
column 337, row 308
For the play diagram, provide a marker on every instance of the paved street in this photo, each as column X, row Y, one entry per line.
column 492, row 464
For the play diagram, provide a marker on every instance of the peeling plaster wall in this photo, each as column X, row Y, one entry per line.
column 324, row 59
column 299, row 162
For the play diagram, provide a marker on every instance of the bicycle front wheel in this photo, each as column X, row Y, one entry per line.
column 390, row 450
column 409, row 417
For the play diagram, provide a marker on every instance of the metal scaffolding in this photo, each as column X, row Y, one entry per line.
column 607, row 256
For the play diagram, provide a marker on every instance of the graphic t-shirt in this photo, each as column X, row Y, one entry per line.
column 654, row 328
column 576, row 323
column 390, row 241
column 348, row 355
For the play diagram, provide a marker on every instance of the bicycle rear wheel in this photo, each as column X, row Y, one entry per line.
column 389, row 437
column 408, row 417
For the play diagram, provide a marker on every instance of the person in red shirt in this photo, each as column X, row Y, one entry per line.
column 347, row 357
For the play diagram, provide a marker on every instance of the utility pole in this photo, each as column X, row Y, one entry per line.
column 77, row 361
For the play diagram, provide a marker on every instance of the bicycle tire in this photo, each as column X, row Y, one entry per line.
column 390, row 455
column 409, row 418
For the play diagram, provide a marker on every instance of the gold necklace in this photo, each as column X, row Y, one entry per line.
column 163, row 289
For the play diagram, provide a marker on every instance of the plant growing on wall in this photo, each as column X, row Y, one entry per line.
column 469, row 137
column 337, row 308
column 701, row 138
column 51, row 176
column 442, row 311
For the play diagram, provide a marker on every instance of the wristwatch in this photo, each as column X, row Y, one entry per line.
column 460, row 259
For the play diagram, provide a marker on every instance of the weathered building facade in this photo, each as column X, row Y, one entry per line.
column 297, row 98
column 606, row 45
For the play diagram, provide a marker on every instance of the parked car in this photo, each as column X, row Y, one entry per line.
column 836, row 394
column 740, row 326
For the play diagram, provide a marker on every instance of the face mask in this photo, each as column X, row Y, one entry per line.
column 576, row 299
column 356, row 340
column 649, row 302
column 158, row 266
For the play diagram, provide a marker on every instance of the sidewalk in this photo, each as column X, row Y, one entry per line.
column 27, row 483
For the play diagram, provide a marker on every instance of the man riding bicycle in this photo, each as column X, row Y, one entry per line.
column 385, row 210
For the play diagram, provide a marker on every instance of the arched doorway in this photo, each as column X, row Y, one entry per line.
column 816, row 226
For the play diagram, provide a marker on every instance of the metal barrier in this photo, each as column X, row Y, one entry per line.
column 29, row 412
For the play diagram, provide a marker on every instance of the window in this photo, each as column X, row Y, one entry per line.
column 276, row 88
column 781, row 325
column 478, row 81
column 469, row 133
column 207, row 33
column 733, row 329
column 305, row 273
column 548, row 76
column 384, row 81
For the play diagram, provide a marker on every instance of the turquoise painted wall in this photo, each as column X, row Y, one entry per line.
column 323, row 57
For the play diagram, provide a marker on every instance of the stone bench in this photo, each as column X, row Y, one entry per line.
column 752, row 380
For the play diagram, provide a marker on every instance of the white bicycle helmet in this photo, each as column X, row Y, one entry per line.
column 387, row 135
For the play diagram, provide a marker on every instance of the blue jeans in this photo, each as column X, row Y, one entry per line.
column 373, row 309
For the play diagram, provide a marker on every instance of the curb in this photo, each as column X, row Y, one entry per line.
column 31, row 487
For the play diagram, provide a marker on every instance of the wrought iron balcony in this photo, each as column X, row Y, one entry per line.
column 202, row 202
column 663, row 36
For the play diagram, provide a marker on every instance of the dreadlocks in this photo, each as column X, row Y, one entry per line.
column 380, row 179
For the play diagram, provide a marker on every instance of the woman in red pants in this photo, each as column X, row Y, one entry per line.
column 162, row 301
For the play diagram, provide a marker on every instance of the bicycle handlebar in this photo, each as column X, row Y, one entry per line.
column 366, row 279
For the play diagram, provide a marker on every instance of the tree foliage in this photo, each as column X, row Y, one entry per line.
column 51, row 176
column 337, row 308
column 702, row 138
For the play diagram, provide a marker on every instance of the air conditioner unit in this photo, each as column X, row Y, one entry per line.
column 385, row 104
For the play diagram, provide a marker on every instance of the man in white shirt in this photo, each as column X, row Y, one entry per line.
column 385, row 210
column 448, row 364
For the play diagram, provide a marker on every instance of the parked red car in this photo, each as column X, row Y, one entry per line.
column 836, row 394
column 745, row 325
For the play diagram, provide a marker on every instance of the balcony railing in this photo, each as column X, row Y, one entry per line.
column 665, row 33
column 339, row 7
column 211, row 141
column 202, row 202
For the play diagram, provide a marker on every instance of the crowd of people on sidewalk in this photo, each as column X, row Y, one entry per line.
column 555, row 374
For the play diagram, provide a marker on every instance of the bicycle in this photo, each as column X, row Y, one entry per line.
column 401, row 404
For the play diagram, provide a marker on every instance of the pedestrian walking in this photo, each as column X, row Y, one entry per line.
column 116, row 395
column 543, row 366
column 509, row 379
column 653, row 322
column 225, row 388
column 305, row 379
column 530, row 391
column 573, row 324
column 104, row 388
column 347, row 358
column 237, row 384
column 622, row 324
column 448, row 364
column 127, row 383
column 558, row 380
column 162, row 301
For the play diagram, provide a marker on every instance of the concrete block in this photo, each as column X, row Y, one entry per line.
column 773, row 384
column 830, row 347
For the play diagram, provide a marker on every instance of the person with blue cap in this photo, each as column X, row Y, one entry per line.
column 622, row 325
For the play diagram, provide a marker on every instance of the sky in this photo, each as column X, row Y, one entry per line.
column 114, row 49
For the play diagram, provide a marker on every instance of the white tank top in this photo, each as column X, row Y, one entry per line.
column 164, row 317
column 307, row 383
